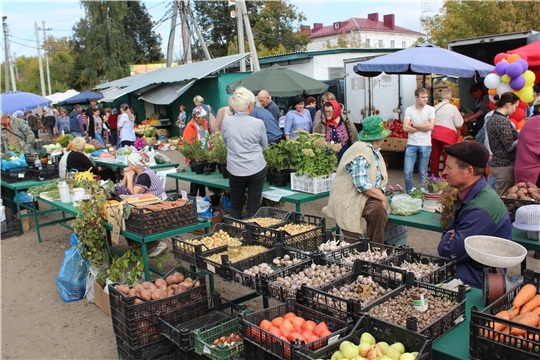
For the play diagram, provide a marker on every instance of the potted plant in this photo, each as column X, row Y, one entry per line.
column 219, row 153
column 433, row 187
column 311, row 155
column 277, row 160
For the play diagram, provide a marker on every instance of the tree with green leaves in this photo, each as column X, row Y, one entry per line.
column 469, row 19
column 138, row 26
column 274, row 25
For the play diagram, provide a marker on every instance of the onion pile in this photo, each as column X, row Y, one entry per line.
column 243, row 252
column 294, row 229
column 220, row 238
column 228, row 341
column 264, row 221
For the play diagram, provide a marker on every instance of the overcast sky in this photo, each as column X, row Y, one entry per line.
column 60, row 16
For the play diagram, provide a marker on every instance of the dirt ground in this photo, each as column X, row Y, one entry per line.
column 37, row 324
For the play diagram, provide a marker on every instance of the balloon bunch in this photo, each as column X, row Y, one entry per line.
column 512, row 74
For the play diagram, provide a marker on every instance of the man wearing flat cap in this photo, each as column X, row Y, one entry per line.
column 478, row 209
column 358, row 187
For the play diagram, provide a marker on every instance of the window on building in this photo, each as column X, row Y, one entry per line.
column 381, row 43
column 392, row 44
column 368, row 43
column 404, row 44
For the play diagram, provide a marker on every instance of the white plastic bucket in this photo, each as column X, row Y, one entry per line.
column 2, row 213
column 77, row 194
column 65, row 196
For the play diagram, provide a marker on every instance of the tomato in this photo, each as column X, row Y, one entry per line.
column 307, row 334
column 311, row 338
column 275, row 331
column 298, row 322
column 325, row 333
column 289, row 316
column 277, row 321
column 295, row 336
column 320, row 328
column 309, row 325
column 286, row 326
column 265, row 325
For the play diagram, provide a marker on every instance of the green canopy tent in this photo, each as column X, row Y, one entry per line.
column 279, row 81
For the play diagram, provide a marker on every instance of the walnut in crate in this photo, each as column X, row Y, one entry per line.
column 228, row 341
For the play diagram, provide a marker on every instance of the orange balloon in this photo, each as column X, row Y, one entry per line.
column 513, row 57
column 492, row 92
column 520, row 124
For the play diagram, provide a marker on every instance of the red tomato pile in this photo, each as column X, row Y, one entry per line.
column 291, row 327
column 397, row 130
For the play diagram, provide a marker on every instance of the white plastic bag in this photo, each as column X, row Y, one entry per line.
column 151, row 155
column 92, row 274
column 405, row 205
column 202, row 205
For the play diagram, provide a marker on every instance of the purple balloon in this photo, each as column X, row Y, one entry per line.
column 524, row 64
column 514, row 70
column 500, row 68
column 517, row 83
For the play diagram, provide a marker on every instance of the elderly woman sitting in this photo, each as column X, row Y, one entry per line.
column 77, row 160
column 139, row 179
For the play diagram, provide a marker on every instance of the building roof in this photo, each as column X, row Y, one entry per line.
column 297, row 55
column 358, row 24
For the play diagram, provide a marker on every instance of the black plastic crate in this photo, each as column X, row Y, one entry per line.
column 307, row 241
column 189, row 355
column 151, row 222
column 235, row 272
column 253, row 351
column 10, row 227
column 444, row 323
column 219, row 268
column 381, row 331
column 445, row 272
column 191, row 253
column 325, row 301
column 487, row 343
column 181, row 333
column 159, row 350
column 250, row 330
column 363, row 246
column 276, row 291
column 513, row 204
column 46, row 172
column 16, row 174
column 135, row 320
column 265, row 212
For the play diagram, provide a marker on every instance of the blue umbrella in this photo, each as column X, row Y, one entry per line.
column 82, row 98
column 424, row 59
column 18, row 100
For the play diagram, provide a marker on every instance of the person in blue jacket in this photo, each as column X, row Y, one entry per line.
column 478, row 209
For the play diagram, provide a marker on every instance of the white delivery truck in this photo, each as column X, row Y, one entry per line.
column 389, row 94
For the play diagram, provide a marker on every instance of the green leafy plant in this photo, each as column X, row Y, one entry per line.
column 128, row 268
column 417, row 194
column 447, row 201
column 196, row 150
column 434, row 184
column 219, row 150
column 310, row 154
column 64, row 140
column 276, row 157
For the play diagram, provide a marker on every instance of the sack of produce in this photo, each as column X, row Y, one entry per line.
column 13, row 161
column 71, row 280
column 405, row 205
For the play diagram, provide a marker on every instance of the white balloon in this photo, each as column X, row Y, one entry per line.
column 502, row 88
column 492, row 81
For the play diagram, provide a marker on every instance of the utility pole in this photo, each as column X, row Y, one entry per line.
column 172, row 34
column 46, row 59
column 255, row 66
column 40, row 61
column 15, row 63
column 186, row 36
column 240, row 32
column 6, row 72
column 199, row 34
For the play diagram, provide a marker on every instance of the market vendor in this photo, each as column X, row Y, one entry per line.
column 481, row 107
column 17, row 134
column 77, row 160
column 358, row 187
column 478, row 209
column 140, row 179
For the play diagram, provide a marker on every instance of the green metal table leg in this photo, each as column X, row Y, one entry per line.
column 36, row 221
column 145, row 262
column 298, row 207
column 177, row 186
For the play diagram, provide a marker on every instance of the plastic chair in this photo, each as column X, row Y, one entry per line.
column 162, row 175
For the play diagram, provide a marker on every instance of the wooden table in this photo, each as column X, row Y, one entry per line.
column 143, row 240
column 119, row 166
column 216, row 180
column 429, row 221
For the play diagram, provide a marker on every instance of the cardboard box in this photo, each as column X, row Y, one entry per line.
column 400, row 144
column 215, row 220
column 101, row 298
column 388, row 144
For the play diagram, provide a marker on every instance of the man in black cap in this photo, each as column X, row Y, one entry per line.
column 478, row 209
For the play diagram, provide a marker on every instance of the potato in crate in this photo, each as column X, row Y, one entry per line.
column 371, row 331
column 134, row 310
column 191, row 250
column 249, row 272
column 316, row 329
column 507, row 329
column 317, row 273
column 445, row 308
column 347, row 297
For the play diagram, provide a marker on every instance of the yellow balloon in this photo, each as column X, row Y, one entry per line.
column 529, row 77
column 526, row 94
column 505, row 79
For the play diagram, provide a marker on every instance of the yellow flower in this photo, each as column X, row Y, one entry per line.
column 366, row 135
column 381, row 124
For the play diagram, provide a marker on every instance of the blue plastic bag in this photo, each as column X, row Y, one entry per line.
column 226, row 203
column 14, row 163
column 71, row 280
column 22, row 197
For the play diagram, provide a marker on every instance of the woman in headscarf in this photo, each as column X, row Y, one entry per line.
column 77, row 160
column 197, row 129
column 140, row 179
column 337, row 128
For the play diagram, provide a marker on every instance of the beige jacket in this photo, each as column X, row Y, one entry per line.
column 346, row 204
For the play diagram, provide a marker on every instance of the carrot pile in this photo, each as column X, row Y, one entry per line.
column 525, row 310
